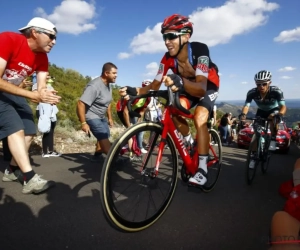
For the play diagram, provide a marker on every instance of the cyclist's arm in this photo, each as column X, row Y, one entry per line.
column 197, row 88
column 155, row 85
column 282, row 110
column 248, row 101
column 164, row 66
column 281, row 102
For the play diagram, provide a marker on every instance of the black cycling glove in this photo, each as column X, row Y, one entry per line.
column 178, row 82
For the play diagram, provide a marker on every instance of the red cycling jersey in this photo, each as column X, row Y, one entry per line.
column 199, row 59
column 21, row 60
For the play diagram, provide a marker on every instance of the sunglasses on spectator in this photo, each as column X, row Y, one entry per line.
column 261, row 84
column 171, row 36
column 51, row 36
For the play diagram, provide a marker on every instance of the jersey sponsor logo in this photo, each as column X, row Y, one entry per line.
column 161, row 69
column 213, row 96
column 24, row 66
column 160, row 72
column 203, row 64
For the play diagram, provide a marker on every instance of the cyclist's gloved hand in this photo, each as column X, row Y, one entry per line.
column 278, row 117
column 178, row 82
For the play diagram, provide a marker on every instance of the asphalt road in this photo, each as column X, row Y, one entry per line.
column 69, row 216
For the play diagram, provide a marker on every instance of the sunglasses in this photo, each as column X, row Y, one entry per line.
column 171, row 36
column 51, row 36
column 261, row 84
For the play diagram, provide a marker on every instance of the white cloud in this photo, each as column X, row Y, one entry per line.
column 72, row 16
column 244, row 82
column 213, row 26
column 220, row 74
column 232, row 75
column 124, row 55
column 286, row 77
column 287, row 68
column 152, row 69
column 288, row 36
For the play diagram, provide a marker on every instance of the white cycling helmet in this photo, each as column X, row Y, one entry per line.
column 146, row 82
column 263, row 75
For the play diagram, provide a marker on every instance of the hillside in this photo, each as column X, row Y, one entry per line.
column 70, row 85
column 291, row 118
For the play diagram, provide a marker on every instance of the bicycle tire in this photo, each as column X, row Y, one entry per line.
column 250, row 173
column 111, row 212
column 266, row 157
column 216, row 168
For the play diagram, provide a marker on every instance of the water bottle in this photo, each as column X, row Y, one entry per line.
column 262, row 140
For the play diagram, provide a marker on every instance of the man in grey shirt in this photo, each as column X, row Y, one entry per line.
column 95, row 103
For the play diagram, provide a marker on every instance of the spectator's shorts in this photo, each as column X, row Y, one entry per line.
column 15, row 115
column 99, row 128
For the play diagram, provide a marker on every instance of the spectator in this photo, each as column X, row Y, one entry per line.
column 95, row 103
column 285, row 225
column 20, row 56
column 139, row 106
column 46, row 115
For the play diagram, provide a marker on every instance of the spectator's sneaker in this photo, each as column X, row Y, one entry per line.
column 36, row 185
column 136, row 158
column 9, row 176
column 97, row 158
column 54, row 154
column 45, row 155
column 272, row 146
column 144, row 151
column 200, row 178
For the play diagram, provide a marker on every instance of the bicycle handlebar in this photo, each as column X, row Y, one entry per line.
column 172, row 99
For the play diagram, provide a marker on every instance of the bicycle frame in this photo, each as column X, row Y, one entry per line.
column 191, row 162
column 260, row 131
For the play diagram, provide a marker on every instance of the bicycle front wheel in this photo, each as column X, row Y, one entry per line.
column 266, row 155
column 132, row 197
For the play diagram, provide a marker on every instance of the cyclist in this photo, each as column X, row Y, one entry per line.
column 194, row 75
column 139, row 107
column 269, row 100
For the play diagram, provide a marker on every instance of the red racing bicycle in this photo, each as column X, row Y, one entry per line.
column 135, row 195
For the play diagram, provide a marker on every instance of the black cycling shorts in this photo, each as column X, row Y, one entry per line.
column 207, row 101
column 265, row 114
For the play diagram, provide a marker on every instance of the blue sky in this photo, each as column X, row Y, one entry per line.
column 244, row 36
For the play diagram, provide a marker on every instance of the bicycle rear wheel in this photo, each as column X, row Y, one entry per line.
column 132, row 198
column 214, row 162
column 252, row 155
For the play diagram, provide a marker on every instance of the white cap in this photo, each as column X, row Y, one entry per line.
column 40, row 23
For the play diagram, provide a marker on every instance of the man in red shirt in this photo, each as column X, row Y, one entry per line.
column 20, row 56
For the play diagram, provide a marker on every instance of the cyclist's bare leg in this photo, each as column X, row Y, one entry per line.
column 181, row 123
column 200, row 121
